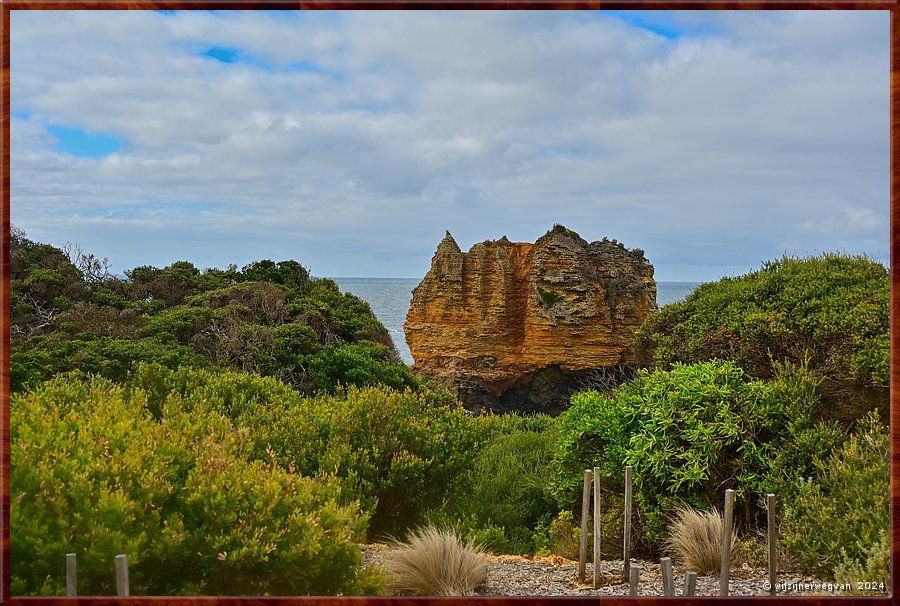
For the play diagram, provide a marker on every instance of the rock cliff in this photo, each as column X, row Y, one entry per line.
column 517, row 326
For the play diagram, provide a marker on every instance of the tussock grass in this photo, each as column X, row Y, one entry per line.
column 436, row 562
column 696, row 538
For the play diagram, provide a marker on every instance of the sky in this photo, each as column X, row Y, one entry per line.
column 350, row 141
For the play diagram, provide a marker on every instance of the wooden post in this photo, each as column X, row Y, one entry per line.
column 122, row 575
column 665, row 565
column 626, row 555
column 726, row 543
column 635, row 575
column 596, row 527
column 71, row 575
column 585, row 514
column 773, row 567
column 690, row 582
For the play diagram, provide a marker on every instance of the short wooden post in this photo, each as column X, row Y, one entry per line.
column 585, row 514
column 596, row 527
column 690, row 582
column 773, row 567
column 626, row 555
column 726, row 543
column 665, row 565
column 635, row 576
column 71, row 575
column 122, row 575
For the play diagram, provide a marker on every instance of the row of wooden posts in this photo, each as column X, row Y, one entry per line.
column 121, row 575
column 632, row 573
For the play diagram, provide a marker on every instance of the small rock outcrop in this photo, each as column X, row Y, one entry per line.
column 518, row 326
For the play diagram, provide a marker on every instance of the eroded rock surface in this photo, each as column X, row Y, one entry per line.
column 516, row 326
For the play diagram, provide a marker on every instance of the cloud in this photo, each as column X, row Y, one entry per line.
column 324, row 136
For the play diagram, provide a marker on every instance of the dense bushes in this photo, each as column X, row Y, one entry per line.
column 394, row 452
column 504, row 497
column 273, row 319
column 690, row 433
column 839, row 519
column 43, row 357
column 831, row 310
column 93, row 474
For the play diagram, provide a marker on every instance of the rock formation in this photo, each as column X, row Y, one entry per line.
column 517, row 326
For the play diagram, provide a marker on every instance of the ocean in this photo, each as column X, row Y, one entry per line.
column 389, row 299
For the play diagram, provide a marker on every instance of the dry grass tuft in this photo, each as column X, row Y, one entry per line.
column 696, row 539
column 435, row 562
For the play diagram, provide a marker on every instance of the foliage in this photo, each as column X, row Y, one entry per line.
column 270, row 318
column 562, row 229
column 43, row 282
column 94, row 474
column 43, row 357
column 696, row 540
column 394, row 452
column 689, row 432
column 565, row 535
column 504, row 496
column 831, row 310
column 436, row 562
column 871, row 574
column 360, row 364
column 847, row 505
column 549, row 298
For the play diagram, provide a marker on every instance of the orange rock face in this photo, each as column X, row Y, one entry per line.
column 494, row 317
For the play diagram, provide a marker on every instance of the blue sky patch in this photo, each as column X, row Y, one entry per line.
column 78, row 142
column 234, row 55
column 21, row 114
column 635, row 19
column 223, row 53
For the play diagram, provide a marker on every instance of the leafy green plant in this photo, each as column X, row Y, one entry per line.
column 361, row 364
column 270, row 318
column 831, row 311
column 689, row 432
column 565, row 535
column 40, row 358
column 505, row 494
column 395, row 452
column 549, row 298
column 847, row 505
column 94, row 474
column 870, row 572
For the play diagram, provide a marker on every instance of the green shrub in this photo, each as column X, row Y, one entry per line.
column 395, row 452
column 690, row 433
column 92, row 473
column 839, row 517
column 548, row 298
column 505, row 494
column 361, row 364
column 565, row 536
column 40, row 358
column 831, row 310
column 871, row 574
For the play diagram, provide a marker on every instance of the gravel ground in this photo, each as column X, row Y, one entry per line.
column 556, row 576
